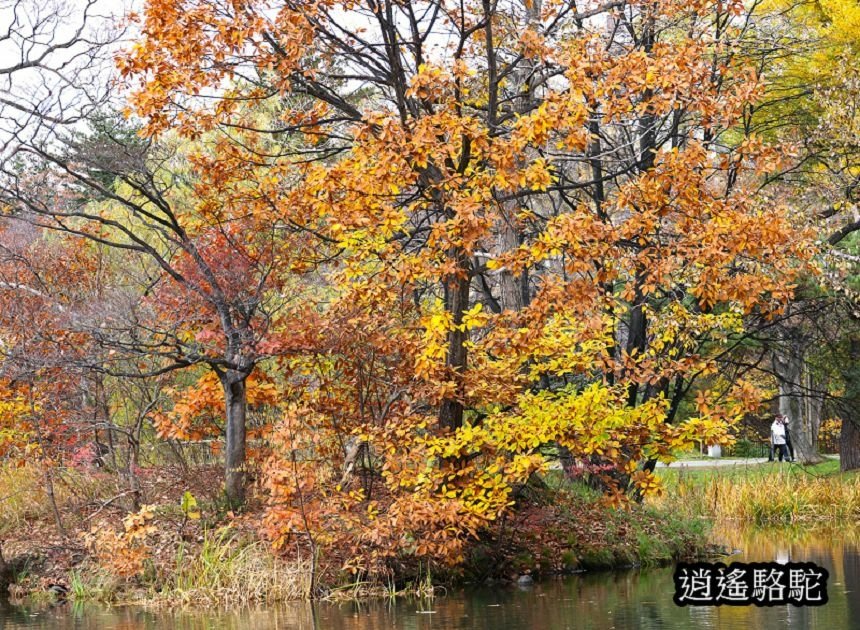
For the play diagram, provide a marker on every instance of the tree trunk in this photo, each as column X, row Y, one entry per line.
column 798, row 400
column 52, row 499
column 235, row 399
column 131, row 466
column 514, row 289
column 48, row 474
column 849, row 446
column 512, row 294
column 457, row 302
column 849, row 440
column 637, row 334
column 813, row 407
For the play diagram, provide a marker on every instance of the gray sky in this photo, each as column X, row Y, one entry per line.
column 54, row 63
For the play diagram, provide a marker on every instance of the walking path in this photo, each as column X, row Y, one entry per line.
column 721, row 461
column 712, row 462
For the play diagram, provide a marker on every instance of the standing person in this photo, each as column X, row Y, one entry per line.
column 770, row 449
column 777, row 438
column 788, row 439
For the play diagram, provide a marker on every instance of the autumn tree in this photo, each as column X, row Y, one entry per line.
column 202, row 265
column 547, row 222
column 55, row 72
column 808, row 50
column 44, row 354
column 833, row 198
column 208, row 257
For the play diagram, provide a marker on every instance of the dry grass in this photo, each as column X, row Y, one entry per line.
column 421, row 588
column 231, row 572
column 776, row 495
column 221, row 567
column 24, row 498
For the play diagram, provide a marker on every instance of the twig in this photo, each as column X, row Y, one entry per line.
column 108, row 502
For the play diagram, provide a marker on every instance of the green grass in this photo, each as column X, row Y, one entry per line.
column 702, row 475
column 94, row 586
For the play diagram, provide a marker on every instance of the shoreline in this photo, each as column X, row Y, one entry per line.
column 566, row 530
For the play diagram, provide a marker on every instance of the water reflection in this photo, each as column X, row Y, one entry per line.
column 635, row 599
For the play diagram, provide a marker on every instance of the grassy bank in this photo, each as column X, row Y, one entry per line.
column 223, row 569
column 214, row 557
column 572, row 529
column 761, row 494
column 220, row 558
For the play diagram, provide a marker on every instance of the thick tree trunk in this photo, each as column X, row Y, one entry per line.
column 513, row 290
column 849, row 440
column 798, row 400
column 235, row 399
column 813, row 410
column 849, row 446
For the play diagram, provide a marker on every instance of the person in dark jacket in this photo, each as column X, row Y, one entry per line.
column 788, row 439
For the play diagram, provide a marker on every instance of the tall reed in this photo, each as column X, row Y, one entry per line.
column 776, row 496
column 227, row 571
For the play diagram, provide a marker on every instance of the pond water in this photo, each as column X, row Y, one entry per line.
column 598, row 601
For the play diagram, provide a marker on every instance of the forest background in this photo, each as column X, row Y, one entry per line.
column 391, row 284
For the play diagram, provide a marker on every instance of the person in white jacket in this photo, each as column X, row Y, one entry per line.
column 777, row 437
